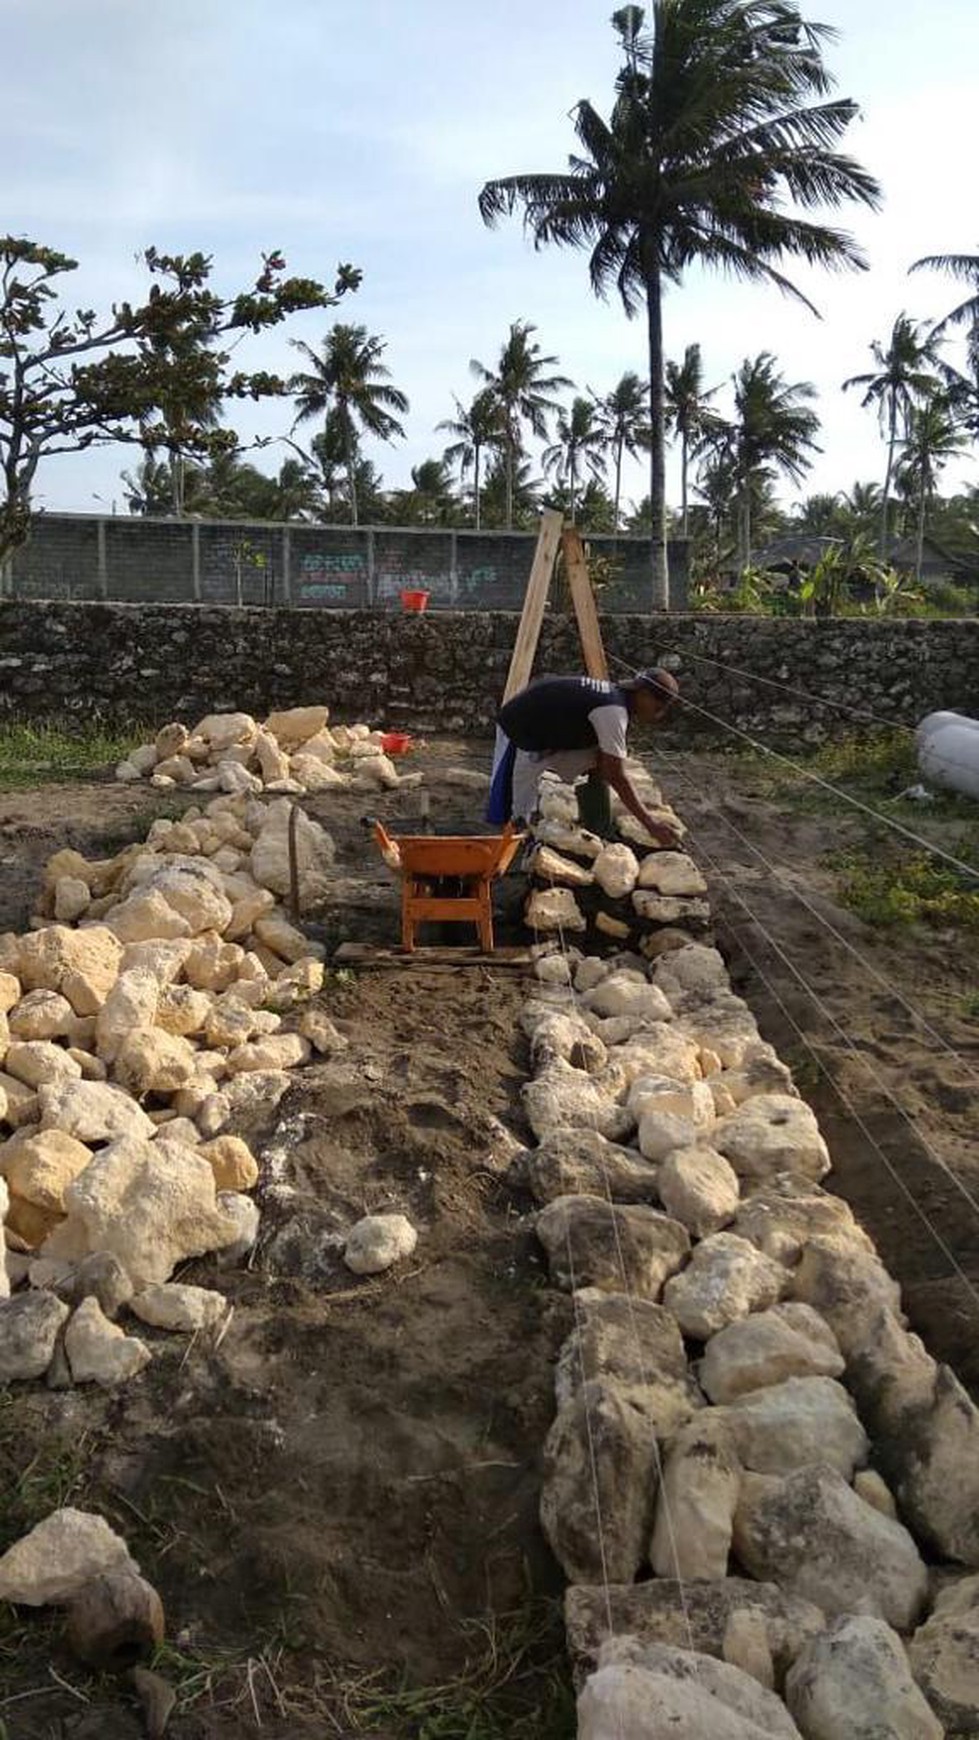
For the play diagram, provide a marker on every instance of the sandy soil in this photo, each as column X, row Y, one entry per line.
column 351, row 1478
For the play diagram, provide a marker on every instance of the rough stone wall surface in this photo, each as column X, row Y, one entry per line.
column 446, row 672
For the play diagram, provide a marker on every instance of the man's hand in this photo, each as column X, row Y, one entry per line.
column 664, row 833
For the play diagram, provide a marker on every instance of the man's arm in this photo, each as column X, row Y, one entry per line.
column 612, row 770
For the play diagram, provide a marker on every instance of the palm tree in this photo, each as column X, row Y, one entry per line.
column 350, row 380
column 688, row 415
column 510, row 492
column 964, row 267
column 523, row 393
column 579, row 447
column 476, row 430
column 722, row 123
column 962, row 389
column 933, row 437
column 904, row 376
column 773, row 431
column 429, row 501
column 623, row 419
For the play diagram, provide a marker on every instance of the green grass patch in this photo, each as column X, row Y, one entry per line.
column 914, row 889
column 32, row 755
column 517, row 1686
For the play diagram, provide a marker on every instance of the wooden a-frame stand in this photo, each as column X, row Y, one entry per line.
column 554, row 535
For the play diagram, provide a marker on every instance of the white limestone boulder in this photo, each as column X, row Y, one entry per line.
column 98, row 1351
column 768, row 1347
column 377, row 1242
column 315, row 853
column 815, row 1537
column 591, row 1242
column 176, row 1306
column 772, row 1133
column 699, row 1188
column 616, row 871
column 564, row 1098
column 725, row 1279
column 634, row 1345
column 697, row 1501
column 786, row 1426
column 60, row 1557
column 854, row 1683
column 151, row 1204
column 92, row 1111
column 29, row 1326
column 554, row 910
column 672, row 873
column 627, row 993
column 598, row 1484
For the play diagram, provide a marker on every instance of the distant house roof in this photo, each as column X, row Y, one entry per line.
column 803, row 550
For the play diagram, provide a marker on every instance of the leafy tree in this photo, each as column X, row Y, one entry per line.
column 429, row 501
column 477, row 431
column 525, row 394
column 510, row 497
column 349, row 381
column 156, row 373
column 933, row 438
column 773, row 431
column 623, row 417
column 689, row 416
column 722, row 126
column 904, row 376
column 578, row 449
column 821, row 516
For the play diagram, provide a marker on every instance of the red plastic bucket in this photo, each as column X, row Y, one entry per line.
column 396, row 743
column 411, row 600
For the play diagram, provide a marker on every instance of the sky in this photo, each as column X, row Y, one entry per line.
column 362, row 131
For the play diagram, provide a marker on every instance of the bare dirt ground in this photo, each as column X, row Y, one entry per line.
column 347, row 1486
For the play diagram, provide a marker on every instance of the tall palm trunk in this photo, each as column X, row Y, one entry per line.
column 746, row 524
column 573, row 481
column 683, row 483
column 476, row 481
column 920, row 549
column 657, row 457
column 510, row 453
column 351, row 459
column 885, row 504
column 618, row 478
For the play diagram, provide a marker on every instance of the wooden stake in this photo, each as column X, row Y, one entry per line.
column 528, row 633
column 583, row 599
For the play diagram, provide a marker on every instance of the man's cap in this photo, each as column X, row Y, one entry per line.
column 659, row 682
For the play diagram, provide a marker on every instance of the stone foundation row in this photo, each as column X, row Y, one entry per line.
column 763, row 1490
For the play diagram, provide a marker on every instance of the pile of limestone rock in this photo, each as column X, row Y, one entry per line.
column 153, row 1011
column 290, row 753
column 619, row 894
column 762, row 1489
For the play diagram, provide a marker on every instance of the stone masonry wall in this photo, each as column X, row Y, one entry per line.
column 446, row 672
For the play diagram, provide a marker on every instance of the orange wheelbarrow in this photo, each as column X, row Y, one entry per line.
column 428, row 862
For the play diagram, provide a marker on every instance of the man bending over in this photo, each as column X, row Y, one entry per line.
column 572, row 726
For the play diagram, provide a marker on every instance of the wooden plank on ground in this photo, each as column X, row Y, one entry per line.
column 538, row 586
column 351, row 954
column 583, row 599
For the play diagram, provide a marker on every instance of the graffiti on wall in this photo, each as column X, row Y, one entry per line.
column 327, row 577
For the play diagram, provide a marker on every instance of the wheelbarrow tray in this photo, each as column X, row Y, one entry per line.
column 456, row 854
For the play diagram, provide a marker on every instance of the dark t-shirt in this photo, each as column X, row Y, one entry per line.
column 554, row 713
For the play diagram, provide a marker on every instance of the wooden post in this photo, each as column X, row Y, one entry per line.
column 528, row 633
column 286, row 566
column 195, row 561
column 583, row 599
column 103, row 564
